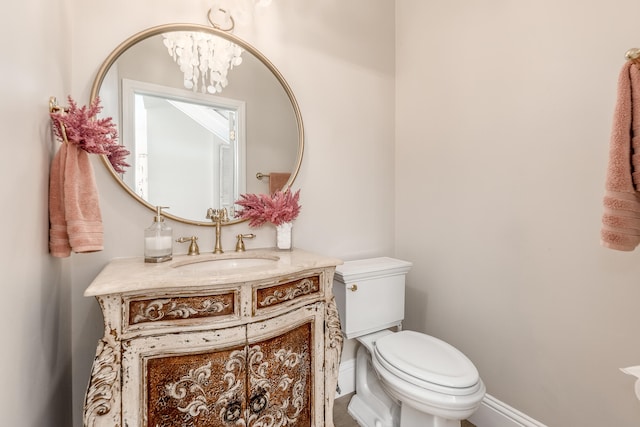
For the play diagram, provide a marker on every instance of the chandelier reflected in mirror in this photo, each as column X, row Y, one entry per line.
column 203, row 58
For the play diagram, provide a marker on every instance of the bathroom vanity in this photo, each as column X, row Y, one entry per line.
column 237, row 339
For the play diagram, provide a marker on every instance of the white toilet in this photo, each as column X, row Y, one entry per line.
column 405, row 378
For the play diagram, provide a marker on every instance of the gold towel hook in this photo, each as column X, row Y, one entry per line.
column 53, row 105
column 55, row 108
column 633, row 54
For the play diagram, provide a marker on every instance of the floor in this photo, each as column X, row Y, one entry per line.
column 341, row 417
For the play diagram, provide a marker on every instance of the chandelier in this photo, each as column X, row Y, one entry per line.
column 203, row 58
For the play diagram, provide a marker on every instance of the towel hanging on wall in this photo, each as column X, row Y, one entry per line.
column 75, row 221
column 621, row 217
column 74, row 209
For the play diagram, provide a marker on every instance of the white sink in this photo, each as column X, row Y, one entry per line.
column 222, row 263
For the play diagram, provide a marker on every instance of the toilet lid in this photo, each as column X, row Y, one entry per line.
column 413, row 355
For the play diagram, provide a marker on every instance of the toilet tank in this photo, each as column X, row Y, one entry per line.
column 370, row 294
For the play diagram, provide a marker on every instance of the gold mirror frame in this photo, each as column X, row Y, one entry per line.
column 153, row 31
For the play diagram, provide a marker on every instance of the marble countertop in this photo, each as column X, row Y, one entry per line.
column 123, row 275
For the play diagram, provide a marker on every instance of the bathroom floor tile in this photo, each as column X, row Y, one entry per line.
column 341, row 417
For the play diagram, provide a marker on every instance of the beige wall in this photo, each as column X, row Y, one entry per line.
column 502, row 122
column 503, row 118
column 35, row 358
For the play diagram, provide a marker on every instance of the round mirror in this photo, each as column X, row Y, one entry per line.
column 205, row 116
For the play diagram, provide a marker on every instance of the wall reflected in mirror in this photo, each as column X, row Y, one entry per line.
column 199, row 138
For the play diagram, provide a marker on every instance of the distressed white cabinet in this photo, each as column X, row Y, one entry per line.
column 216, row 346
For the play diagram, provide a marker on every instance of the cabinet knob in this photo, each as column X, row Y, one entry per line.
column 258, row 401
column 353, row 288
column 233, row 411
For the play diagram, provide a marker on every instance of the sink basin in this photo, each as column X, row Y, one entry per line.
column 213, row 265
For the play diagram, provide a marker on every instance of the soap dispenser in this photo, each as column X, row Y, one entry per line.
column 158, row 239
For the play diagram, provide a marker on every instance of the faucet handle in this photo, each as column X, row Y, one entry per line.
column 193, row 246
column 240, row 242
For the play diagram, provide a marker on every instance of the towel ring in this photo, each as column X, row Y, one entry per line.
column 55, row 108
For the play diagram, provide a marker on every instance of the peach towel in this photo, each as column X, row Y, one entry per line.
column 74, row 210
column 621, row 218
column 277, row 180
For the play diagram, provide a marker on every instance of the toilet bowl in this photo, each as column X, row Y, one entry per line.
column 404, row 378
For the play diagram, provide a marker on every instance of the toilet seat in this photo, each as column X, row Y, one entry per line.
column 427, row 362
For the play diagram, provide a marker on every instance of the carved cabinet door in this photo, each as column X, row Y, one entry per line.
column 185, row 380
column 267, row 373
column 284, row 369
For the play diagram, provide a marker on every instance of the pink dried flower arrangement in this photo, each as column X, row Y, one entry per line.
column 94, row 135
column 278, row 208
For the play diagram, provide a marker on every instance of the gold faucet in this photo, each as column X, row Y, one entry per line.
column 218, row 216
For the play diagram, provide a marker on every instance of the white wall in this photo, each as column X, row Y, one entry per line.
column 338, row 59
column 35, row 356
column 503, row 118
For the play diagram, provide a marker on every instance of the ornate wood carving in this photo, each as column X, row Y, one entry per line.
column 274, row 295
column 196, row 390
column 236, row 356
column 333, row 351
column 103, row 385
column 142, row 311
column 280, row 380
column 265, row 384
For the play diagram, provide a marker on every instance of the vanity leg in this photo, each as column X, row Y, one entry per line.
column 101, row 404
column 333, row 352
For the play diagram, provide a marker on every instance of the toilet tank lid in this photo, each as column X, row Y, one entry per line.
column 371, row 268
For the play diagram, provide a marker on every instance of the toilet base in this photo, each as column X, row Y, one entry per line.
column 367, row 416
column 371, row 406
column 411, row 417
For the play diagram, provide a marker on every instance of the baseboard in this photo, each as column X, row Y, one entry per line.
column 494, row 413
column 347, row 377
